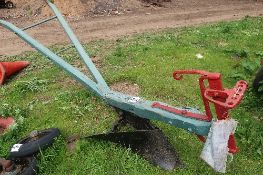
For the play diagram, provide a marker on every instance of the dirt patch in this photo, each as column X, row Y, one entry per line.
column 112, row 7
column 81, row 8
column 24, row 8
column 69, row 7
column 126, row 87
column 160, row 3
column 129, row 17
column 84, row 8
column 37, row 8
column 71, row 143
column 76, row 8
column 97, row 61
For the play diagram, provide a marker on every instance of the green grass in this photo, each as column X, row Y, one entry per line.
column 43, row 96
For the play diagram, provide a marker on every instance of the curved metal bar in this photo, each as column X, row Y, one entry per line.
column 56, row 59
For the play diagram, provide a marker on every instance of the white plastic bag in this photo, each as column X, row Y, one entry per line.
column 215, row 150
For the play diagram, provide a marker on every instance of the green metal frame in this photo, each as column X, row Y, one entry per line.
column 136, row 105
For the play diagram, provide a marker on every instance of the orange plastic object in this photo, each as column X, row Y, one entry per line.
column 7, row 69
column 6, row 122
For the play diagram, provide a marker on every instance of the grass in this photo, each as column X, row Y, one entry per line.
column 43, row 96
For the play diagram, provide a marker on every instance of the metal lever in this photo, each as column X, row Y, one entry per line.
column 211, row 77
column 178, row 74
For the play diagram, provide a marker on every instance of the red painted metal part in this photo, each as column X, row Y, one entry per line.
column 7, row 69
column 2, row 74
column 228, row 98
column 223, row 99
column 6, row 122
column 183, row 112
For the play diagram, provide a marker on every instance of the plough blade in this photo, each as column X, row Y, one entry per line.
column 153, row 145
column 143, row 138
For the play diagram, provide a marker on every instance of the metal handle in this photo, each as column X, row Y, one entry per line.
column 178, row 74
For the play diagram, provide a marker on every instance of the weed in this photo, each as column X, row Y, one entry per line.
column 248, row 69
column 7, row 110
column 238, row 53
column 251, row 138
column 19, row 114
column 33, row 85
column 226, row 29
column 259, row 54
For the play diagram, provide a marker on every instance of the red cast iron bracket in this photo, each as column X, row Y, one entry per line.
column 223, row 99
column 228, row 98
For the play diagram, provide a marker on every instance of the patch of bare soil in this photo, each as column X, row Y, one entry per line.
column 113, row 7
column 71, row 143
column 126, row 88
column 76, row 8
column 111, row 19
column 69, row 7
column 82, row 8
column 159, row 3
column 23, row 8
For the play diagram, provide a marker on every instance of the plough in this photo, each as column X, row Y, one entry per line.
column 147, row 139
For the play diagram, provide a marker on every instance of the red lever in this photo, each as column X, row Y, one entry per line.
column 206, row 75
